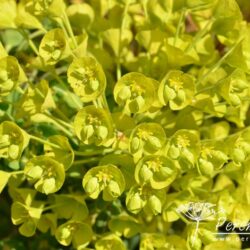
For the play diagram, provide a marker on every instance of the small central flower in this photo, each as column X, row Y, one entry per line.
column 176, row 83
column 93, row 120
column 136, row 90
column 155, row 165
column 183, row 141
column 104, row 177
column 206, row 152
column 142, row 134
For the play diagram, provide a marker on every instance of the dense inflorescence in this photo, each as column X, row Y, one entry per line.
column 114, row 114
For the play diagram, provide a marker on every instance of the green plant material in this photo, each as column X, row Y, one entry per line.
column 53, row 46
column 135, row 92
column 78, row 233
column 124, row 124
column 87, row 79
column 93, row 125
column 13, row 140
column 47, row 174
column 108, row 179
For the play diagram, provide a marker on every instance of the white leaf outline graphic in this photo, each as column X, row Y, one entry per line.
column 195, row 212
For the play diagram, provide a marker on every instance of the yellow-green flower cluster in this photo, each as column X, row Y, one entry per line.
column 124, row 124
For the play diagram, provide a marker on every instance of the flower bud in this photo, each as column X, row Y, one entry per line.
column 238, row 155
column 166, row 172
column 188, row 155
column 153, row 143
column 124, row 93
column 206, row 167
column 145, row 173
column 246, row 147
column 65, row 233
column 94, row 84
column 92, row 185
column 219, row 155
column 102, row 132
column 135, row 203
column 234, row 99
column 88, row 131
column 135, row 144
column 13, row 151
column 181, row 96
column 49, row 185
column 35, row 172
column 169, row 93
column 174, row 152
column 137, row 104
column 239, row 84
column 155, row 204
column 113, row 188
column 56, row 54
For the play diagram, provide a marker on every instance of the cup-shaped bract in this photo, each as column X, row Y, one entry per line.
column 27, row 216
column 211, row 158
column 64, row 152
column 158, row 171
column 79, row 233
column 81, row 15
column 125, row 225
column 146, row 138
column 70, row 207
column 93, row 125
column 177, row 89
column 87, row 78
column 109, row 242
column 234, row 88
column 135, row 92
column 36, row 99
column 125, row 163
column 184, row 146
column 13, row 140
column 107, row 178
column 46, row 173
column 239, row 146
column 53, row 46
column 9, row 74
column 146, row 198
column 37, row 7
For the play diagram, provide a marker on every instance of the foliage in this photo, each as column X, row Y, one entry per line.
column 115, row 113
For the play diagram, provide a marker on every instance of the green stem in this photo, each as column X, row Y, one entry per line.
column 96, row 104
column 51, row 207
column 53, row 73
column 199, row 35
column 36, row 34
column 43, row 141
column 62, row 115
column 90, row 153
column 79, row 162
column 118, row 66
column 17, row 172
column 33, row 47
column 69, row 28
column 62, row 92
column 59, row 126
column 180, row 23
column 218, row 64
column 102, row 101
column 31, row 43
column 20, row 90
column 59, row 121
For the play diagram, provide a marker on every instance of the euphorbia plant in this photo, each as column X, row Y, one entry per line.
column 116, row 113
